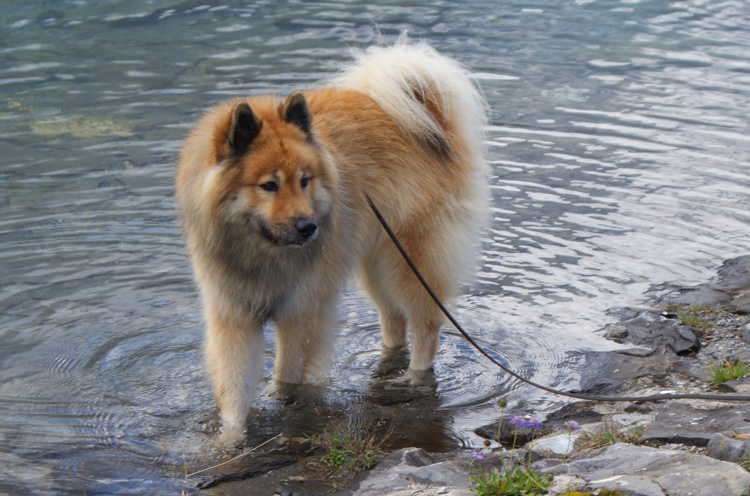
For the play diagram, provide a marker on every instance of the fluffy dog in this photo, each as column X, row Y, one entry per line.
column 271, row 193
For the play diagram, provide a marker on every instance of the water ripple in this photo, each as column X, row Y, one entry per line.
column 618, row 145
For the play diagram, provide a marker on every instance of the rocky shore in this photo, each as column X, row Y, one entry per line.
column 663, row 448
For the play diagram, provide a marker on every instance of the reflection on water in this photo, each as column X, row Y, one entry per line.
column 619, row 143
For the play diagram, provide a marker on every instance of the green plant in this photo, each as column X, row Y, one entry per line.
column 728, row 370
column 353, row 450
column 696, row 316
column 517, row 479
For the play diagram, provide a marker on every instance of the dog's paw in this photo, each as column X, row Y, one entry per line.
column 230, row 437
column 415, row 378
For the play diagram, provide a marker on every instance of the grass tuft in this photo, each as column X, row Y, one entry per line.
column 349, row 450
column 698, row 317
column 728, row 370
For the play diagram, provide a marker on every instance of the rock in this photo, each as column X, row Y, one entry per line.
column 643, row 471
column 741, row 302
column 634, row 419
column 509, row 434
column 581, row 411
column 562, row 484
column 730, row 288
column 652, row 330
column 411, row 469
column 725, row 448
column 559, row 445
column 738, row 386
column 734, row 274
column 684, row 424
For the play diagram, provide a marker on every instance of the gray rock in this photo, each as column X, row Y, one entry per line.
column 409, row 470
column 730, row 288
column 739, row 386
column 642, row 471
column 558, row 445
column 741, row 302
column 652, row 330
column 684, row 424
column 734, row 274
column 725, row 448
column 699, row 295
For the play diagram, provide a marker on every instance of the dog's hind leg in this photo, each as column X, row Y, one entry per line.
column 422, row 316
column 378, row 280
column 234, row 356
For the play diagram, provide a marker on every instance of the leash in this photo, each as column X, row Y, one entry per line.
column 467, row 336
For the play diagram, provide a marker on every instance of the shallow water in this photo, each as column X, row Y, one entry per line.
column 619, row 144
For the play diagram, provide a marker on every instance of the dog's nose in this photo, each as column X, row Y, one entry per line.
column 305, row 227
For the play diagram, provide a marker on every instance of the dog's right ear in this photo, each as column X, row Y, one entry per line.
column 244, row 127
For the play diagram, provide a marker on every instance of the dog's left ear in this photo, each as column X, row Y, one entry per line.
column 294, row 110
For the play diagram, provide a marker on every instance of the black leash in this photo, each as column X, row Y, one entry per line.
column 654, row 397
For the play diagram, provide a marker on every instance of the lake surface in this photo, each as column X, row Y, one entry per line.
column 620, row 145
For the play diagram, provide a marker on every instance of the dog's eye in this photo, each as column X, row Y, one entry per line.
column 304, row 182
column 270, row 186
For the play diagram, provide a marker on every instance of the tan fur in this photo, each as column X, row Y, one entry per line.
column 428, row 195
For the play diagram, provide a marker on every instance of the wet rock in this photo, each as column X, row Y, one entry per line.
column 741, row 302
column 652, row 330
column 582, row 412
column 730, row 288
column 642, row 471
column 725, row 448
column 734, row 274
column 509, row 434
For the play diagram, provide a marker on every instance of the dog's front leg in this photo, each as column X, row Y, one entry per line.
column 304, row 340
column 234, row 356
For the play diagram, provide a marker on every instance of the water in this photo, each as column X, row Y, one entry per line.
column 619, row 142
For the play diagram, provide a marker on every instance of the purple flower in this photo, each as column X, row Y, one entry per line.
column 519, row 420
column 573, row 425
column 534, row 423
column 477, row 455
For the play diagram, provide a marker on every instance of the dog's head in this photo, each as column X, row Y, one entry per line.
column 274, row 175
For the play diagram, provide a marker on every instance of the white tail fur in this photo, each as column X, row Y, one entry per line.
column 391, row 76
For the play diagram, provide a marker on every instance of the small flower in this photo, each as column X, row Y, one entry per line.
column 573, row 425
column 534, row 423
column 502, row 403
column 519, row 420
column 477, row 455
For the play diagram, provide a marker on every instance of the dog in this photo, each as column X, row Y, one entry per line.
column 272, row 197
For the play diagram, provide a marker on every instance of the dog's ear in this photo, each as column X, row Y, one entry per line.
column 244, row 127
column 294, row 111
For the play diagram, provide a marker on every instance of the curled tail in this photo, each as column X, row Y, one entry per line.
column 429, row 96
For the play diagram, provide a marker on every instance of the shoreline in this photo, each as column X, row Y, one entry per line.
column 670, row 350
